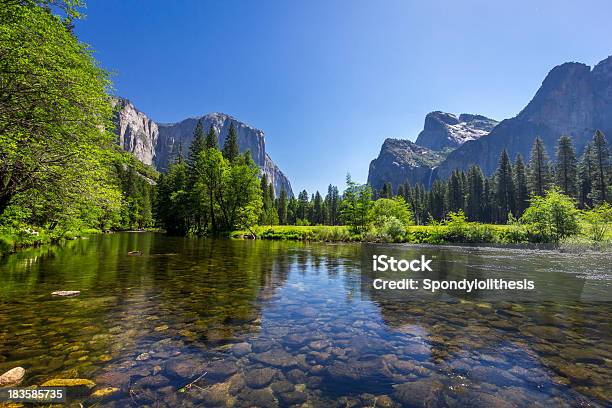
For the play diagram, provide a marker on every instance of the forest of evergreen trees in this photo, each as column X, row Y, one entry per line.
column 587, row 179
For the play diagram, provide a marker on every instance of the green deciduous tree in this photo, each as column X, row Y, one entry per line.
column 552, row 217
column 356, row 204
column 56, row 158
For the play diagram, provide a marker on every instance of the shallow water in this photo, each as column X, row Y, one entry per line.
column 287, row 324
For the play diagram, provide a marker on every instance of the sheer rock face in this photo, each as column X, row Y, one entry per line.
column 137, row 133
column 573, row 100
column 400, row 161
column 156, row 144
column 444, row 130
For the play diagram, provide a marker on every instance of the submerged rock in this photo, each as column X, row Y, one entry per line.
column 66, row 293
column 260, row 377
column 277, row 358
column 420, row 393
column 262, row 398
column 12, row 377
column 220, row 370
column 240, row 349
column 143, row 357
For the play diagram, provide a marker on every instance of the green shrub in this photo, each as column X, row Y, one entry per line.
column 551, row 218
column 597, row 222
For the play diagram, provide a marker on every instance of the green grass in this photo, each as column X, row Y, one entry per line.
column 419, row 234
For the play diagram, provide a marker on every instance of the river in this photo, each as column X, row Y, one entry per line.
column 268, row 324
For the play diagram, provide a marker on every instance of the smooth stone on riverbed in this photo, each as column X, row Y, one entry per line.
column 260, row 377
column 420, row 393
column 12, row 377
column 277, row 358
column 66, row 293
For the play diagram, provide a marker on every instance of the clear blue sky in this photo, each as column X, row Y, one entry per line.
column 329, row 80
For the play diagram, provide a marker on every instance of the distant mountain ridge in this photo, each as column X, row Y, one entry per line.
column 403, row 160
column 573, row 100
column 156, row 144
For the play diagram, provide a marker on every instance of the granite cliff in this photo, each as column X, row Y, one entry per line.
column 156, row 144
column 402, row 160
column 573, row 100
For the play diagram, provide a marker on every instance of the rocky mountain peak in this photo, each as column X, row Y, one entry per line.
column 445, row 130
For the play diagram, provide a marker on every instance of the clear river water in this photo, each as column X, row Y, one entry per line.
column 205, row 322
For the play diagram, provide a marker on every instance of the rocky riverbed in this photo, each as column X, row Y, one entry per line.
column 297, row 330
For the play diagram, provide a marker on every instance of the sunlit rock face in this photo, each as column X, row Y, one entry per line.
column 157, row 144
column 137, row 133
column 401, row 161
column 444, row 130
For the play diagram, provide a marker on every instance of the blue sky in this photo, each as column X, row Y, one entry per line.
column 329, row 80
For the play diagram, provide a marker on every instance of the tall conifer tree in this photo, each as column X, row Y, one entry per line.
column 566, row 167
column 230, row 147
column 504, row 188
column 538, row 171
column 600, row 159
column 520, row 184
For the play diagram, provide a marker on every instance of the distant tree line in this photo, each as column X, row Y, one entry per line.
column 587, row 179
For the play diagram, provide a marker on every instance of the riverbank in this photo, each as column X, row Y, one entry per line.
column 468, row 233
column 13, row 240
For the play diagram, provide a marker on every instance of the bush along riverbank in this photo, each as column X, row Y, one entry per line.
column 552, row 219
column 13, row 239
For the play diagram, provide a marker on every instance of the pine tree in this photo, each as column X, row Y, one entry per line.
column 302, row 207
column 566, row 167
column 332, row 202
column 317, row 217
column 488, row 198
column 212, row 142
column 197, row 146
column 230, row 147
column 282, row 206
column 454, row 192
column 475, row 191
column 504, row 188
column 387, row 191
column 585, row 178
column 520, row 183
column 436, row 200
column 600, row 158
column 400, row 191
column 538, row 170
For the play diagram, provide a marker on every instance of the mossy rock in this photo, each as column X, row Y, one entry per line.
column 69, row 382
column 105, row 392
